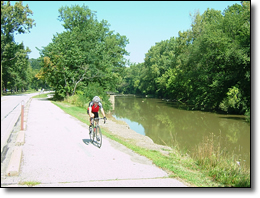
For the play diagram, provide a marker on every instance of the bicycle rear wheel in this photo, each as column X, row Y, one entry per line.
column 98, row 137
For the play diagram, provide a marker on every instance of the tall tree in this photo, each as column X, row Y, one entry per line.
column 86, row 50
column 14, row 19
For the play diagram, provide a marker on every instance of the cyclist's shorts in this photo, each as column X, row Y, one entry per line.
column 95, row 114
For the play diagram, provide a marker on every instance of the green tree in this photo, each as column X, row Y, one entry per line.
column 219, row 57
column 35, row 66
column 14, row 19
column 158, row 60
column 16, row 71
column 131, row 79
column 22, row 69
column 207, row 67
column 86, row 52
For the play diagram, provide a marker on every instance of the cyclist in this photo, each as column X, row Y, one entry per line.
column 93, row 109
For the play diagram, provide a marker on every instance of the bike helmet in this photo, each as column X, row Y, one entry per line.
column 96, row 99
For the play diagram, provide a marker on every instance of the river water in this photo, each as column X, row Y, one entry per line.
column 171, row 124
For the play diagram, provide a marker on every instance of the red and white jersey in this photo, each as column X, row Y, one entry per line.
column 95, row 108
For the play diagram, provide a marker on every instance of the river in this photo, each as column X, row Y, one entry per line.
column 171, row 124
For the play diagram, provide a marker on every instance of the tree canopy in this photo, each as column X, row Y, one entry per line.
column 207, row 66
column 85, row 53
column 15, row 68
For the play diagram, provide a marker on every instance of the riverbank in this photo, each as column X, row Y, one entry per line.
column 122, row 130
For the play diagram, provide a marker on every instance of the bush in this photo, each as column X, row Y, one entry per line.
column 233, row 103
column 248, row 115
column 86, row 94
column 72, row 99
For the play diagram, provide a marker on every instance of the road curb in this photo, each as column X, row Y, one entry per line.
column 14, row 121
column 20, row 138
column 13, row 168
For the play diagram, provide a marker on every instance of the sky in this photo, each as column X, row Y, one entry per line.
column 144, row 23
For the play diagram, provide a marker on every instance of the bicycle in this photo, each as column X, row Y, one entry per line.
column 95, row 133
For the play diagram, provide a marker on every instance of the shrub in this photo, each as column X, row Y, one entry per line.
column 233, row 103
column 86, row 94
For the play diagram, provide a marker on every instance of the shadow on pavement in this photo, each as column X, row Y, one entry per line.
column 86, row 141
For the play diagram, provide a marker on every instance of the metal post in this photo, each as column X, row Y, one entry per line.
column 22, row 114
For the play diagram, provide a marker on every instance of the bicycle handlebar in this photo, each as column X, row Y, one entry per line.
column 100, row 119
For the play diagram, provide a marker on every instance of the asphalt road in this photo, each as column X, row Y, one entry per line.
column 10, row 112
column 57, row 153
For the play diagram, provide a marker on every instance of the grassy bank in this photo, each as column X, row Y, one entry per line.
column 222, row 166
column 203, row 170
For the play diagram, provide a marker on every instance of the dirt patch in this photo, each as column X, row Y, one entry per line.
column 121, row 129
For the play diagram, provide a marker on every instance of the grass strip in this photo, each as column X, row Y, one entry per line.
column 41, row 95
column 30, row 183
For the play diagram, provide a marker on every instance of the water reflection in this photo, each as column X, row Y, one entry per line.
column 167, row 122
column 133, row 125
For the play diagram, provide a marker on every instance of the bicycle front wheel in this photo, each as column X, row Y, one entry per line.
column 91, row 134
column 98, row 137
